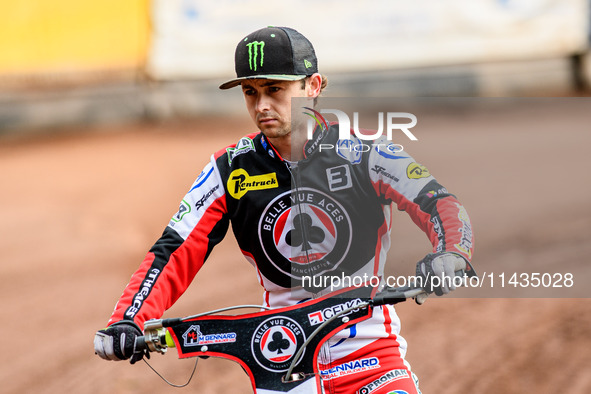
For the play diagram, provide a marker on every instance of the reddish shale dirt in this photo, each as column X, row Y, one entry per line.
column 80, row 209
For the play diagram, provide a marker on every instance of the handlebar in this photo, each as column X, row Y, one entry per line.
column 245, row 338
column 158, row 339
column 395, row 295
column 311, row 323
column 155, row 339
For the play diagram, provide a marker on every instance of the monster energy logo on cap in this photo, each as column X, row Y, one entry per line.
column 253, row 52
column 279, row 53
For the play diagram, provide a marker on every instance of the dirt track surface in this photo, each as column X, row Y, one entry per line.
column 79, row 212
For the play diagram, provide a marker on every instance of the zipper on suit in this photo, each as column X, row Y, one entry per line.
column 296, row 181
column 294, row 171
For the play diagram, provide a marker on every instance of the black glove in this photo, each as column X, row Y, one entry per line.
column 437, row 272
column 118, row 342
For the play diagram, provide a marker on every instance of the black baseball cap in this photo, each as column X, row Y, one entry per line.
column 279, row 53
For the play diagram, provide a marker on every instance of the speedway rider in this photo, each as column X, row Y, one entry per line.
column 295, row 212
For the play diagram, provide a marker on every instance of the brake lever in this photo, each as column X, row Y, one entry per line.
column 392, row 296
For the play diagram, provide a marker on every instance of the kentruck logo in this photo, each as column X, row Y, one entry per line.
column 345, row 124
column 240, row 182
column 318, row 317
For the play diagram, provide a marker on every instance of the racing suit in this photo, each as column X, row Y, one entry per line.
column 328, row 215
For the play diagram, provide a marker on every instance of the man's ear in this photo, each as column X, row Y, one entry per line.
column 314, row 85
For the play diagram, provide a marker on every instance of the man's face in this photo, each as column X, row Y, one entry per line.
column 269, row 104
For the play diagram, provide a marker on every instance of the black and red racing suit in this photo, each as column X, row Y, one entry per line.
column 326, row 216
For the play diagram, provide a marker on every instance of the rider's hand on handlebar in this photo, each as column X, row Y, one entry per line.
column 118, row 342
column 437, row 271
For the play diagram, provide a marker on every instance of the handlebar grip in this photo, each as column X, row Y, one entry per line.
column 390, row 299
column 154, row 341
column 390, row 296
column 171, row 322
column 140, row 343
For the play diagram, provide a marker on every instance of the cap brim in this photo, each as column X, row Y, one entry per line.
column 279, row 77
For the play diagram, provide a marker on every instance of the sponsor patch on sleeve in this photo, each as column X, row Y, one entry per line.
column 417, row 171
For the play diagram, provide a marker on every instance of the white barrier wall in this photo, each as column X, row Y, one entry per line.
column 196, row 38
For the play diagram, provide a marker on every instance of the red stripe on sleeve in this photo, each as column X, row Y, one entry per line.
column 131, row 289
column 454, row 220
column 456, row 226
column 178, row 271
column 420, row 218
column 184, row 263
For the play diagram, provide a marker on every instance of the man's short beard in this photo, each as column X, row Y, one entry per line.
column 283, row 130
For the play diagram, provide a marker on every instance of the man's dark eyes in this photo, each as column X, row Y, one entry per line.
column 270, row 89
